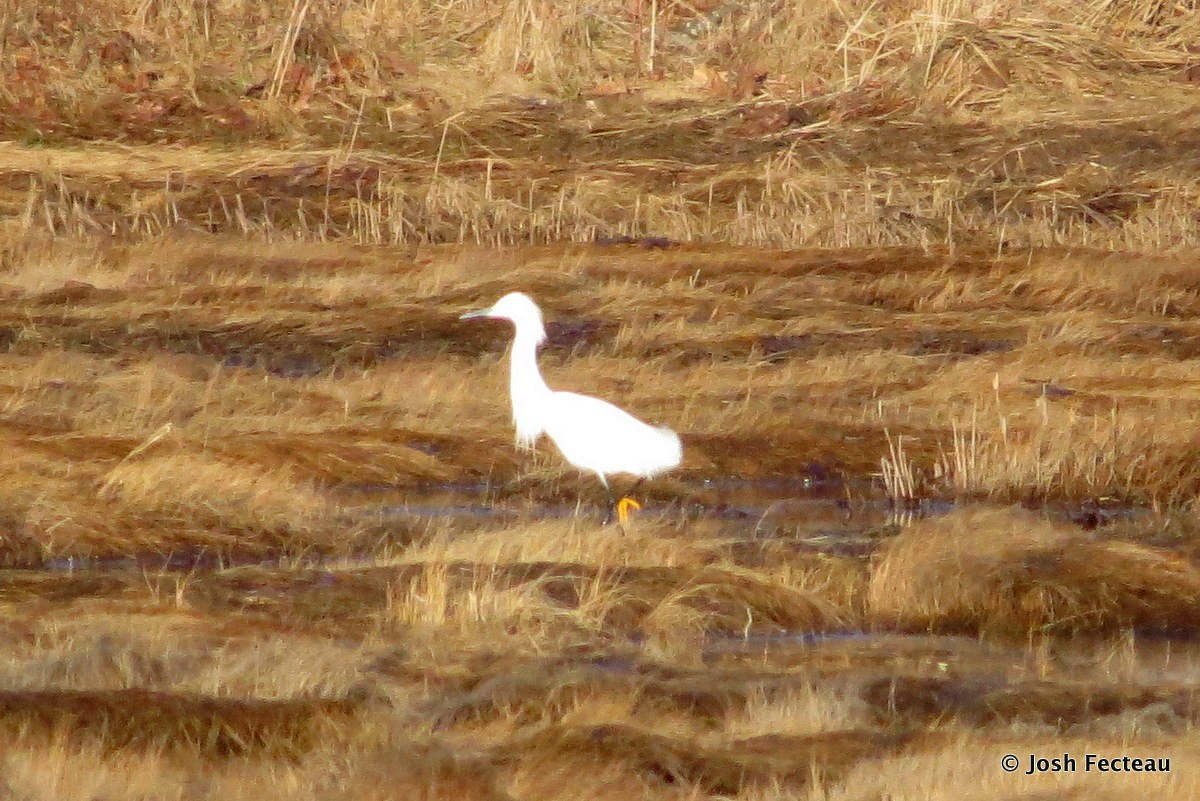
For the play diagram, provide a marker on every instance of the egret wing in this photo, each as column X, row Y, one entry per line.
column 597, row 436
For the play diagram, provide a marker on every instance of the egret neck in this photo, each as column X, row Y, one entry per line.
column 528, row 389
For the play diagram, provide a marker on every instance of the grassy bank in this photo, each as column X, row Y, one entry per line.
column 263, row 530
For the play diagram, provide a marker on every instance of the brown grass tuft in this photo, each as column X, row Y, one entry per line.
column 792, row 761
column 143, row 720
column 670, row 605
column 1011, row 573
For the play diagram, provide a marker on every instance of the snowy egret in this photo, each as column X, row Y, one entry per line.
column 592, row 434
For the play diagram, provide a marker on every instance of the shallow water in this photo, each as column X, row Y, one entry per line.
column 825, row 514
column 795, row 500
column 800, row 506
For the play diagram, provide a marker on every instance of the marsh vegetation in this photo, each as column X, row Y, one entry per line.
column 916, row 282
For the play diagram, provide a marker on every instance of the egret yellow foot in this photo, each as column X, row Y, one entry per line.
column 623, row 507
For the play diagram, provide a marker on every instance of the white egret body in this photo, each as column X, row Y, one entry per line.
column 592, row 434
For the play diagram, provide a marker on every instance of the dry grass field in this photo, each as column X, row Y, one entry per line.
column 917, row 282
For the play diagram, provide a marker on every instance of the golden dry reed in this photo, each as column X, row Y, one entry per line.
column 263, row 530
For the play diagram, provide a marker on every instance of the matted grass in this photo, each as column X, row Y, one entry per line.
column 263, row 529
column 257, row 433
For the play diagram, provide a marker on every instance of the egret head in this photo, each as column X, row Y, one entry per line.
column 520, row 309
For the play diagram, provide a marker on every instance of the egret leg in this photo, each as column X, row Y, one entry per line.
column 612, row 502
